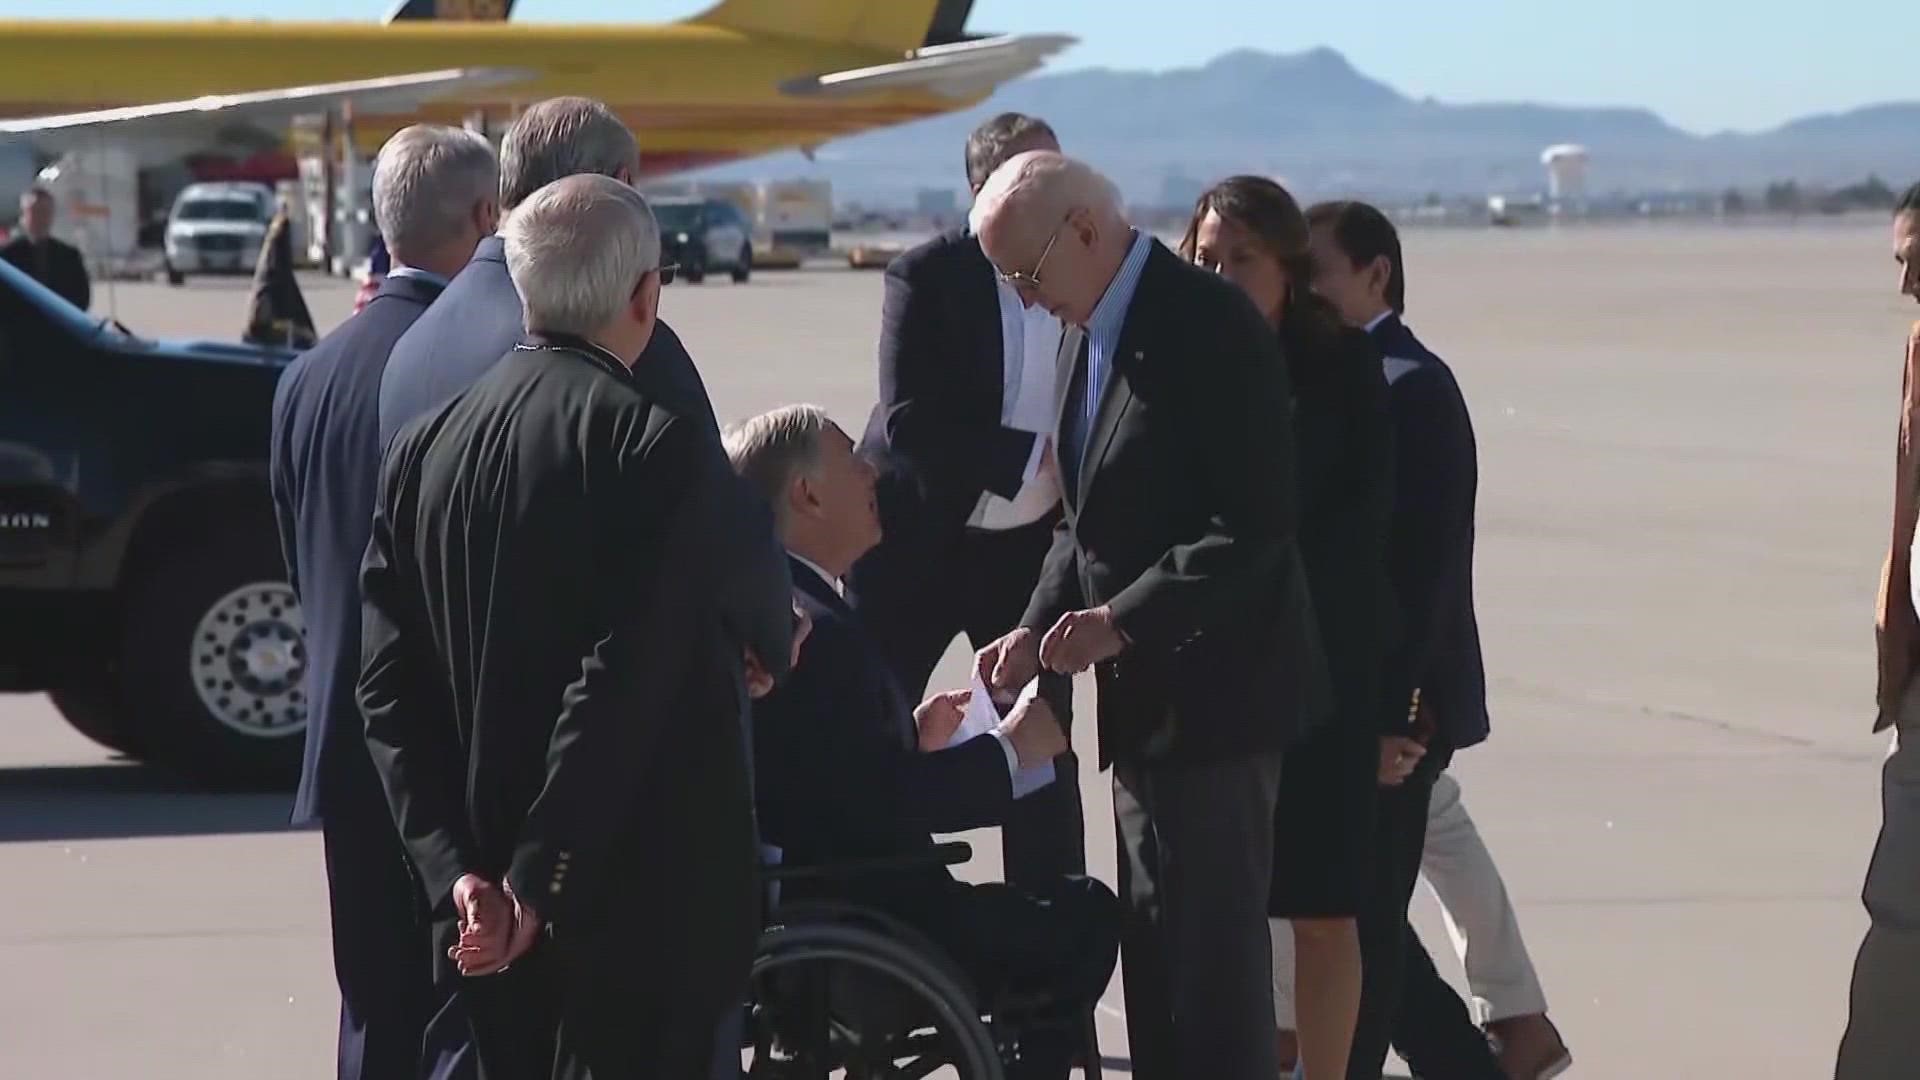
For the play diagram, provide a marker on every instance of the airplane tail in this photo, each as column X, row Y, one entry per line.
column 893, row 25
column 451, row 10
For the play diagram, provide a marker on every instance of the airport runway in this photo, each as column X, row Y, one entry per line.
column 1685, row 438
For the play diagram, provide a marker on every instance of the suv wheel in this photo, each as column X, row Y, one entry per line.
column 743, row 266
column 96, row 711
column 696, row 269
column 214, row 650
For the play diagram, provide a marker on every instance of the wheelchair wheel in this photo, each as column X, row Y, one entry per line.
column 839, row 1000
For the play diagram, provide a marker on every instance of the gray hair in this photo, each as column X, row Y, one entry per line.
column 1041, row 184
column 426, row 181
column 560, row 137
column 993, row 142
column 576, row 249
column 771, row 449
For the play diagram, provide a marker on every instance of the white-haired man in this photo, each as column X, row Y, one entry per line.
column 433, row 194
column 1174, row 574
column 551, row 695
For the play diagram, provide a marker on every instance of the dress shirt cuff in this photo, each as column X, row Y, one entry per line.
column 1006, row 747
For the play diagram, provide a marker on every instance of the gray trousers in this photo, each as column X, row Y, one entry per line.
column 1195, row 867
column 1882, row 1039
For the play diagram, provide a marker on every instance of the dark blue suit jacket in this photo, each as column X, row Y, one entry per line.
column 477, row 322
column 840, row 774
column 325, row 467
column 1436, row 474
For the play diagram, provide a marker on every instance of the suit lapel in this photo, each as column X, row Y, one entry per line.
column 985, row 297
column 822, row 596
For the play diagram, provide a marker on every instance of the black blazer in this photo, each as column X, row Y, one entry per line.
column 1343, row 434
column 936, row 432
column 1436, row 474
column 477, row 321
column 840, row 775
column 324, row 467
column 65, row 272
column 550, row 688
column 1186, row 521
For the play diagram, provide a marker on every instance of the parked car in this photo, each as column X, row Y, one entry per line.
column 702, row 235
column 217, row 227
column 141, row 579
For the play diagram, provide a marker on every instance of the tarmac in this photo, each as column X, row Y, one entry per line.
column 1685, row 437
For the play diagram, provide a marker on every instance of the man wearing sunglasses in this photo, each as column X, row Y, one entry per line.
column 962, row 434
column 1175, row 575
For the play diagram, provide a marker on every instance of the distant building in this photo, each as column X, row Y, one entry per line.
column 937, row 202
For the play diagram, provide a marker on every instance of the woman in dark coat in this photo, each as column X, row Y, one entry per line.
column 1252, row 232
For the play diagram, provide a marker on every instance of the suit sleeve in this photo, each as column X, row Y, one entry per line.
column 1346, row 550
column 1237, row 422
column 279, row 480
column 1058, row 589
column 828, row 755
column 611, row 716
column 917, row 358
column 1434, row 480
column 408, row 730
column 82, row 285
column 756, row 598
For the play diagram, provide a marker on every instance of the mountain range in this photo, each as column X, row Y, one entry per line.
column 1326, row 128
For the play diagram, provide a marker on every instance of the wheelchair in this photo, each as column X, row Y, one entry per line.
column 838, row 989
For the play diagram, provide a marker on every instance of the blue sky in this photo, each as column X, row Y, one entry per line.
column 1705, row 65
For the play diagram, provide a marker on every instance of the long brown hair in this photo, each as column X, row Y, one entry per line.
column 1271, row 214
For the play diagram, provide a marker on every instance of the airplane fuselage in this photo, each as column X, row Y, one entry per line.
column 693, row 94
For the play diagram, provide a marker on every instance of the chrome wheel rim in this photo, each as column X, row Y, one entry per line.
column 249, row 661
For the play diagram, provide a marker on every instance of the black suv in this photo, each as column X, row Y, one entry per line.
column 141, row 580
column 704, row 234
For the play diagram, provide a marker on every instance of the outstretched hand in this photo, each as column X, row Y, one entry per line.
column 939, row 717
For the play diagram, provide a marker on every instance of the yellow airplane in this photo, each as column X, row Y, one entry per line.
column 743, row 78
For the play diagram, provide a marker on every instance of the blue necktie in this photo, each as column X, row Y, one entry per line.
column 1076, row 420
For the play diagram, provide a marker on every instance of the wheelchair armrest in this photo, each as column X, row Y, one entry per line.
column 951, row 853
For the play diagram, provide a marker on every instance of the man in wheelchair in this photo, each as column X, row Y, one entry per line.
column 841, row 773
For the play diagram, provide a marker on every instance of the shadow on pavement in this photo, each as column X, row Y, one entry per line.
column 101, row 802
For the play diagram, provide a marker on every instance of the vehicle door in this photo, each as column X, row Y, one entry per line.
column 42, row 383
column 723, row 238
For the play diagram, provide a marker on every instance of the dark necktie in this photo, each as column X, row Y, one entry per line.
column 1075, row 423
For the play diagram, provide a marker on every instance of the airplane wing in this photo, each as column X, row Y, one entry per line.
column 959, row 70
column 392, row 93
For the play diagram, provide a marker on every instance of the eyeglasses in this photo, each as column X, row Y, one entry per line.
column 666, row 272
column 1031, row 280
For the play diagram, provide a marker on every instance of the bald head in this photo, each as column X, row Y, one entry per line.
column 1055, row 227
